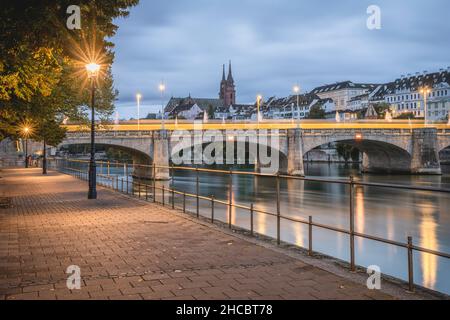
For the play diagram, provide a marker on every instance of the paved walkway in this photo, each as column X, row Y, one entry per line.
column 130, row 249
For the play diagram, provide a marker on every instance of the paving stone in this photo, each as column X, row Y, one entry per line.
column 130, row 249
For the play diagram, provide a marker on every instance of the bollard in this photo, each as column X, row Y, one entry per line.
column 163, row 196
column 184, row 202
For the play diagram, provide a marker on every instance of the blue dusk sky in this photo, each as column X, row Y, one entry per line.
column 273, row 45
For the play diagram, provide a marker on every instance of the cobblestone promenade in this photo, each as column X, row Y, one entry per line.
column 130, row 249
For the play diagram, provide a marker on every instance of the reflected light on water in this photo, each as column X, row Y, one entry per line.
column 428, row 240
column 359, row 214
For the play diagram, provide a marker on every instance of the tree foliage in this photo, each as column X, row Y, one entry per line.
column 316, row 112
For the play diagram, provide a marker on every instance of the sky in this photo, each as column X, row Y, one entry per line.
column 273, row 45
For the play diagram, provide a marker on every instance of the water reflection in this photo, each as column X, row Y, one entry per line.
column 428, row 240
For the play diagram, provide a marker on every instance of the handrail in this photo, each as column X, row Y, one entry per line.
column 352, row 233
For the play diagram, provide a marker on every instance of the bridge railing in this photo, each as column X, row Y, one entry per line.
column 148, row 191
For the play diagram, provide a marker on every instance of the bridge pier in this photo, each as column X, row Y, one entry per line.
column 425, row 152
column 295, row 153
column 142, row 172
column 161, row 154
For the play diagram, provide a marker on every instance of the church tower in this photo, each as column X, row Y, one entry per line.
column 227, row 87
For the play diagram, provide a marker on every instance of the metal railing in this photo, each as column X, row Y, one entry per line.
column 114, row 184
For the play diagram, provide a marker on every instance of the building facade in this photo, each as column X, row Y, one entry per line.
column 342, row 92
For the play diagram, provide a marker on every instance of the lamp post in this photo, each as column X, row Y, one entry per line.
column 92, row 70
column 26, row 134
column 138, row 98
column 425, row 91
column 162, row 88
column 296, row 90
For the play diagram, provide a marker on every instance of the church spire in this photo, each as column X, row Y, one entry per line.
column 230, row 74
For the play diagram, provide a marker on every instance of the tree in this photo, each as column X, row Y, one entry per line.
column 381, row 109
column 347, row 151
column 316, row 112
column 42, row 60
column 406, row 115
column 210, row 112
column 50, row 133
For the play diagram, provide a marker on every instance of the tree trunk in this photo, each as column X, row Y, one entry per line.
column 44, row 161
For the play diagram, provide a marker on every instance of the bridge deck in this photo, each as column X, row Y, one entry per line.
column 130, row 249
column 243, row 125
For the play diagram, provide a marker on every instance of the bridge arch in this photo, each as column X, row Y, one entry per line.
column 379, row 156
column 245, row 152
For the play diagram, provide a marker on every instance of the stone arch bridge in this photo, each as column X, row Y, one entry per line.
column 385, row 150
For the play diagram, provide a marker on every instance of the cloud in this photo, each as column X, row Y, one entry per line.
column 272, row 45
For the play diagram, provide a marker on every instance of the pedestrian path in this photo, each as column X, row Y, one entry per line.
column 131, row 249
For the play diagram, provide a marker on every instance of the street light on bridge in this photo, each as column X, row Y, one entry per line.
column 296, row 90
column 162, row 88
column 138, row 98
column 258, row 103
column 425, row 91
column 92, row 71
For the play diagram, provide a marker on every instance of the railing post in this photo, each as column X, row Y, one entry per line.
column 126, row 175
column 410, row 266
column 196, row 192
column 352, row 227
column 139, row 189
column 212, row 209
column 154, row 182
column 230, row 189
column 251, row 219
column 184, row 202
column 310, row 245
column 173, row 198
column 278, row 209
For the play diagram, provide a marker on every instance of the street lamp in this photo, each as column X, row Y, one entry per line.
column 138, row 98
column 26, row 133
column 425, row 91
column 296, row 90
column 92, row 70
column 162, row 88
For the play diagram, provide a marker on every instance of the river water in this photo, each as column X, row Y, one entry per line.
column 388, row 213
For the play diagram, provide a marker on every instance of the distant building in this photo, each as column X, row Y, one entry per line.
column 342, row 92
column 226, row 99
column 286, row 108
column 189, row 111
